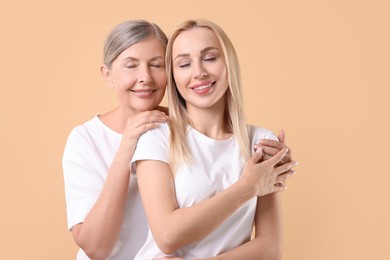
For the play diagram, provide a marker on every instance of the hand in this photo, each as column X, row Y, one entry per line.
column 272, row 147
column 139, row 124
column 266, row 176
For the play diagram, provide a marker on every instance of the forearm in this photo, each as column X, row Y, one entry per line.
column 175, row 227
column 193, row 223
column 259, row 248
column 268, row 241
column 99, row 232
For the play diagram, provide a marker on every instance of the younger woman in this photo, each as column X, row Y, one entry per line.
column 200, row 197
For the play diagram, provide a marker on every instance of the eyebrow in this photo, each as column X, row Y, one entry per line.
column 130, row 58
column 202, row 51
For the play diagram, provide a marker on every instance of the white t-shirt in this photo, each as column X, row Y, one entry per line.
column 88, row 155
column 216, row 165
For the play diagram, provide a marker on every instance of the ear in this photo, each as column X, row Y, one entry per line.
column 106, row 72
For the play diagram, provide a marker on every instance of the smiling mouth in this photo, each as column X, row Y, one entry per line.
column 204, row 86
column 143, row 92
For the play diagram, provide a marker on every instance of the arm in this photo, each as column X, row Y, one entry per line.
column 174, row 227
column 98, row 233
column 268, row 220
column 268, row 240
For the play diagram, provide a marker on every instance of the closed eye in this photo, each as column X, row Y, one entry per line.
column 210, row 59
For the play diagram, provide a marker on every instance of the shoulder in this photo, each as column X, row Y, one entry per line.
column 256, row 132
column 84, row 134
column 153, row 145
column 92, row 129
column 85, row 127
column 162, row 132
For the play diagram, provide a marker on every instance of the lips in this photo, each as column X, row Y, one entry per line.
column 202, row 87
column 143, row 92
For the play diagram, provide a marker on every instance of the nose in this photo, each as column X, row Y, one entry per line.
column 199, row 71
column 144, row 76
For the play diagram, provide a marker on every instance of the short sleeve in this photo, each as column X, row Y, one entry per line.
column 257, row 133
column 152, row 145
column 82, row 178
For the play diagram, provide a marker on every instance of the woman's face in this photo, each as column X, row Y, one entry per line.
column 138, row 76
column 199, row 68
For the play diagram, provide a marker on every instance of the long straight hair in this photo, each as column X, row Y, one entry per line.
column 234, row 110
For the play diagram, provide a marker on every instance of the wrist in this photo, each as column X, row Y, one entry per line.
column 245, row 189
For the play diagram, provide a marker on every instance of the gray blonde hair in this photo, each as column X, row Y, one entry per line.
column 234, row 111
column 128, row 33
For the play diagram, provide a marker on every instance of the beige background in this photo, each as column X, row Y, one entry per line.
column 318, row 69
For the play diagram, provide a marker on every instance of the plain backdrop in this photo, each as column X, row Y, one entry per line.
column 318, row 69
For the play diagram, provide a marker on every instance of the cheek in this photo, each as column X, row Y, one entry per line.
column 180, row 78
column 125, row 80
column 224, row 77
column 160, row 78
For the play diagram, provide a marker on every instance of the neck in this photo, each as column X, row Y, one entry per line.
column 210, row 121
column 116, row 119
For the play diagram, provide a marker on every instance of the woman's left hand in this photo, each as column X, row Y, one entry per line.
column 272, row 147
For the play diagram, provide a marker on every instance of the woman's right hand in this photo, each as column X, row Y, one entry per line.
column 267, row 177
column 139, row 124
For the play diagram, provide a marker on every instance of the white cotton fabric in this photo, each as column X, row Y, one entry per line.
column 217, row 164
column 88, row 154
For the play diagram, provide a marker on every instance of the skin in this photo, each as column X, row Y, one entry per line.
column 198, row 62
column 137, row 76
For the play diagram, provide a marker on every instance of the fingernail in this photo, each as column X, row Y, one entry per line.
column 258, row 150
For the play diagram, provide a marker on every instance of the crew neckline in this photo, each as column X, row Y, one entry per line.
column 100, row 122
column 209, row 139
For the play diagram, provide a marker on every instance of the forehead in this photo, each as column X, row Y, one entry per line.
column 151, row 46
column 195, row 39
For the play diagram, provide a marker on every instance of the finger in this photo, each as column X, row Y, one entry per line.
column 285, row 167
column 150, row 117
column 286, row 175
column 146, row 114
column 270, row 143
column 257, row 155
column 278, row 187
column 154, row 115
column 279, row 184
column 150, row 113
column 145, row 127
column 269, row 150
column 282, row 136
column 282, row 178
column 278, row 157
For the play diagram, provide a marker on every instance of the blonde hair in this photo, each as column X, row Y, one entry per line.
column 234, row 111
